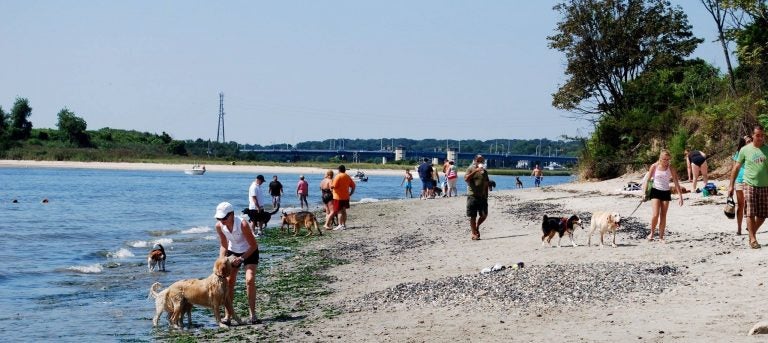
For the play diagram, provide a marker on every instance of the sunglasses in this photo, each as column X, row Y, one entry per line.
column 225, row 217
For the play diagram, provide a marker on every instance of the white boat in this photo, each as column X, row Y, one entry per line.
column 195, row 170
column 360, row 176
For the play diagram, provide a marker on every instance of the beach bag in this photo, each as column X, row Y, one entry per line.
column 711, row 188
column 730, row 208
column 649, row 178
column 451, row 174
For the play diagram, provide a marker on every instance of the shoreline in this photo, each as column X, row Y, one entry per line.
column 216, row 168
column 412, row 273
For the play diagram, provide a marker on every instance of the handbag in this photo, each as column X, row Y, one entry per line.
column 648, row 190
column 730, row 208
column 650, row 183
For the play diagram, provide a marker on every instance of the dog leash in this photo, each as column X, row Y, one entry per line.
column 638, row 206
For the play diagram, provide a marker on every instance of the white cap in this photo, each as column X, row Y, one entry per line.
column 223, row 209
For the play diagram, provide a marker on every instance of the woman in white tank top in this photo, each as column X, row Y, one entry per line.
column 662, row 174
column 236, row 239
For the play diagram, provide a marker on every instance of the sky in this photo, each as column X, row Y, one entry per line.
column 294, row 71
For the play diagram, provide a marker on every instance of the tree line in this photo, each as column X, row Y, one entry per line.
column 72, row 140
column 628, row 73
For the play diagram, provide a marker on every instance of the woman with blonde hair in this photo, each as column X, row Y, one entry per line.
column 327, row 196
column 661, row 174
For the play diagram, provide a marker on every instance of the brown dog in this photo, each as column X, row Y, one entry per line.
column 156, row 258
column 210, row 292
column 299, row 220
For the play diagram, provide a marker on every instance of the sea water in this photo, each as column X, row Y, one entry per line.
column 74, row 269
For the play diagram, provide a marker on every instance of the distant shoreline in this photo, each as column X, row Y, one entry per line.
column 215, row 168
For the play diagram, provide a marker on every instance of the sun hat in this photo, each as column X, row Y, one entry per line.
column 730, row 208
column 223, row 209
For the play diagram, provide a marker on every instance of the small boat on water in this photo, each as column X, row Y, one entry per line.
column 360, row 176
column 195, row 170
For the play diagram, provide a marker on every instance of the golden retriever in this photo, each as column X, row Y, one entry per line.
column 210, row 292
column 605, row 222
column 162, row 304
column 298, row 220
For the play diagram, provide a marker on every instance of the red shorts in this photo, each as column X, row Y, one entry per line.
column 340, row 204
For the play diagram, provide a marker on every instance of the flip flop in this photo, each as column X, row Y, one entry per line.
column 754, row 245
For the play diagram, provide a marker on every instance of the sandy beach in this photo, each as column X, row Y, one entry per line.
column 414, row 274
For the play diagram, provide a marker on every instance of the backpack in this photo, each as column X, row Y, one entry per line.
column 711, row 188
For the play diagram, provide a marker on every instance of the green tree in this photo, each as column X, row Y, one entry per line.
column 72, row 128
column 3, row 129
column 610, row 42
column 20, row 127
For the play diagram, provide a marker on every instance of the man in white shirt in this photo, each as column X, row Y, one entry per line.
column 255, row 202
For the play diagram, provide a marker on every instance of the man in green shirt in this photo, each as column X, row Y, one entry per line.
column 753, row 157
column 476, row 178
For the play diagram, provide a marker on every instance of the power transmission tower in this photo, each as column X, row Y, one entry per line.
column 220, row 129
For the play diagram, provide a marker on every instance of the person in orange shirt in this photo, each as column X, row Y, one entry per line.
column 343, row 187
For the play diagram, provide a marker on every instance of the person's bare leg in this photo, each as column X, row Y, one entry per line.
column 663, row 219
column 739, row 210
column 655, row 205
column 250, row 289
column 343, row 217
column 704, row 173
column 231, row 279
column 696, row 171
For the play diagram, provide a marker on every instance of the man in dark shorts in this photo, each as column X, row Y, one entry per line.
column 477, row 181
column 425, row 174
column 275, row 190
column 754, row 158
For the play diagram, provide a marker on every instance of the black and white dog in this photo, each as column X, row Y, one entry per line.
column 156, row 258
column 550, row 226
column 260, row 219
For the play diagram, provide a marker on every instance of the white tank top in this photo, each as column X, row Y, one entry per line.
column 236, row 241
column 661, row 179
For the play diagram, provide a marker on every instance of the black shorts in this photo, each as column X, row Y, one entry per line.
column 661, row 195
column 253, row 259
column 327, row 197
column 697, row 158
column 476, row 206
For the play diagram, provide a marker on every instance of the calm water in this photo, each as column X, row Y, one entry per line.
column 75, row 269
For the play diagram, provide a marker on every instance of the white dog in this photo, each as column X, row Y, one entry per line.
column 605, row 222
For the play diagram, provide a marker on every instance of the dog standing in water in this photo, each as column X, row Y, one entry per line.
column 156, row 258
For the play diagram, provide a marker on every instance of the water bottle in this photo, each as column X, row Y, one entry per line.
column 705, row 192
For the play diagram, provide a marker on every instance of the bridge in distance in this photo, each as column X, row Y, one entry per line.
column 462, row 158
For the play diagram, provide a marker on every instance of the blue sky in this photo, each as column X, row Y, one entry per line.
column 294, row 71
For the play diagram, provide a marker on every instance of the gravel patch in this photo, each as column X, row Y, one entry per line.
column 529, row 289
